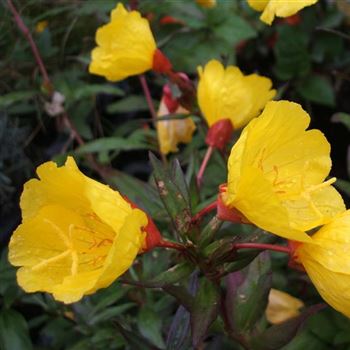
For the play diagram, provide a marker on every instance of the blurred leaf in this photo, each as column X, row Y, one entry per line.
column 170, row 189
column 134, row 339
column 247, row 294
column 141, row 193
column 139, row 139
column 110, row 313
column 317, row 89
column 281, row 334
column 14, row 97
column 88, row 90
column 179, row 335
column 205, row 310
column 343, row 118
column 128, row 104
column 234, row 30
column 292, row 57
column 14, row 331
column 343, row 186
column 150, row 326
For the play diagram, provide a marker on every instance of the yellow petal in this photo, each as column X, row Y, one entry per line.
column 282, row 307
column 172, row 132
column 283, row 8
column 258, row 5
column 327, row 262
column 228, row 94
column 125, row 46
column 206, row 3
column 276, row 172
column 77, row 236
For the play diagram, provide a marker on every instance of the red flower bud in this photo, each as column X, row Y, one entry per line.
column 161, row 63
column 171, row 103
column 219, row 134
column 170, row 20
column 153, row 236
column 228, row 214
column 293, row 20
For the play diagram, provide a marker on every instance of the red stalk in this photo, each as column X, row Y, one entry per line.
column 204, row 211
column 204, row 165
column 172, row 245
column 262, row 246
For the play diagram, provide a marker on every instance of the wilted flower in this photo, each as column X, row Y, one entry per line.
column 41, row 26
column 279, row 8
column 172, row 132
column 206, row 3
column 125, row 47
column 228, row 94
column 276, row 172
column 77, row 235
column 282, row 306
column 327, row 262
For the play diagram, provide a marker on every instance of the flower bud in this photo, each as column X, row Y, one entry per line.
column 219, row 134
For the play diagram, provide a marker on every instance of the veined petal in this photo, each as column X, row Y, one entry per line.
column 228, row 94
column 125, row 46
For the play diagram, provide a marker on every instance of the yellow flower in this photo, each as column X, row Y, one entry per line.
column 173, row 132
column 77, row 235
column 228, row 94
column 206, row 3
column 282, row 306
column 125, row 46
column 40, row 26
column 276, row 172
column 279, row 8
column 327, row 262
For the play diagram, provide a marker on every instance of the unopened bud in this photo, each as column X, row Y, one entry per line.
column 219, row 134
column 225, row 213
column 161, row 63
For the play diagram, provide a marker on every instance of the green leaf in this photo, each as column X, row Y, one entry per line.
column 171, row 188
column 291, row 51
column 343, row 118
column 317, row 89
column 109, row 313
column 139, row 139
column 141, row 193
column 14, row 332
column 205, row 310
column 88, row 90
column 131, row 103
column 172, row 275
column 14, row 97
column 246, row 300
column 281, row 334
column 150, row 326
column 234, row 30
column 343, row 186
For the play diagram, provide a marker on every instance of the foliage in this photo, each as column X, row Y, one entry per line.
column 180, row 308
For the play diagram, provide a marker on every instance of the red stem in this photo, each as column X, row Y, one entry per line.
column 102, row 171
column 262, row 246
column 148, row 96
column 204, row 165
column 171, row 245
column 24, row 29
column 204, row 211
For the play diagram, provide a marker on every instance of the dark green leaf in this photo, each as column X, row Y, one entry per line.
column 128, row 104
column 14, row 97
column 171, row 189
column 14, row 331
column 317, row 89
column 343, row 118
column 281, row 334
column 247, row 300
column 150, row 326
column 205, row 310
